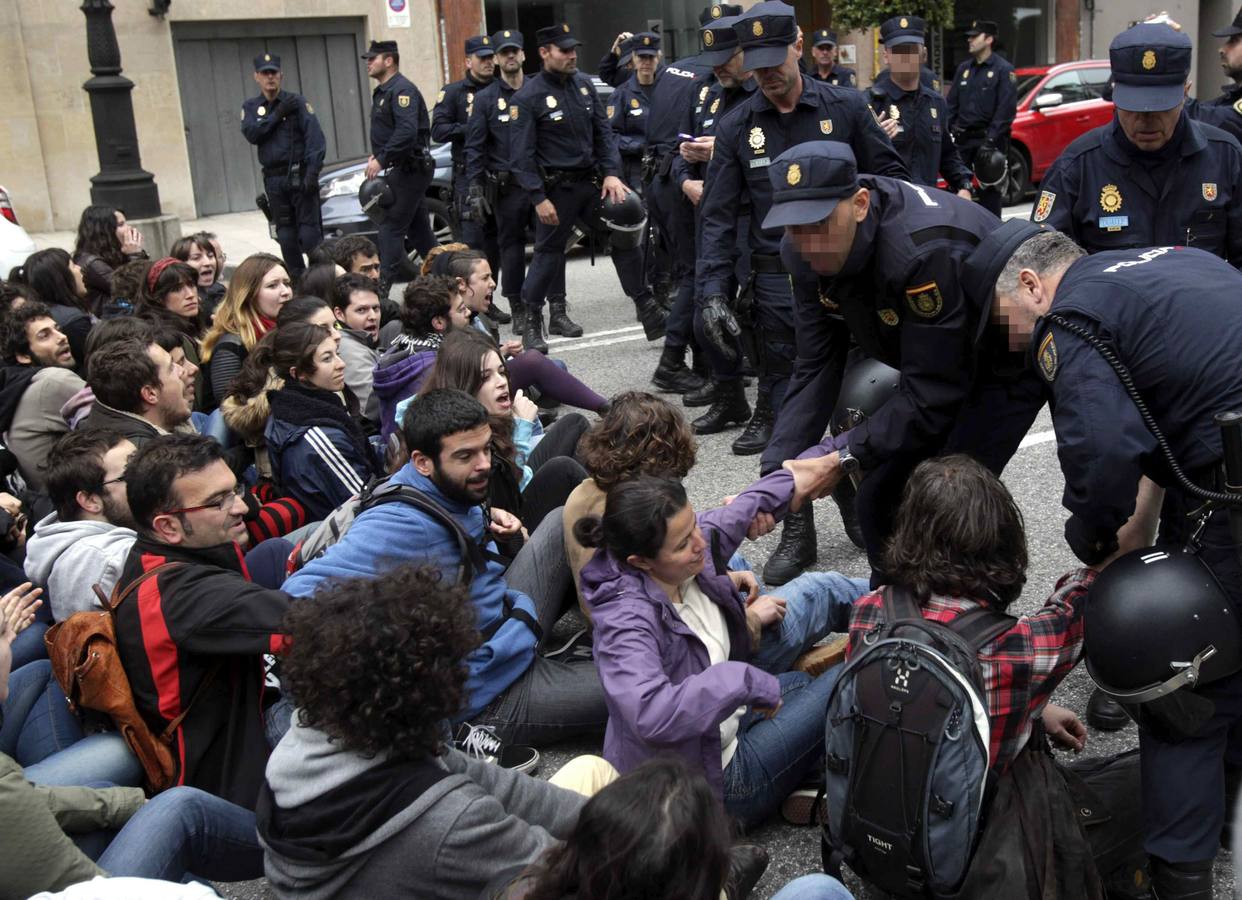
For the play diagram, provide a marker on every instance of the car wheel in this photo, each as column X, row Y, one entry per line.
column 1018, row 181
column 442, row 224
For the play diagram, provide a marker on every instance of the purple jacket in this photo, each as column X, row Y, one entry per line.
column 662, row 692
column 397, row 377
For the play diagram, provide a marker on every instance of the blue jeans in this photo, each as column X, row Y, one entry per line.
column 182, row 831
column 775, row 755
column 29, row 645
column 814, row 887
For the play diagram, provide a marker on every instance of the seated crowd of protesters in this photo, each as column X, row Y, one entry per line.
column 361, row 570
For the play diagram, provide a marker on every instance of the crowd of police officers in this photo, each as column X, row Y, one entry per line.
column 772, row 221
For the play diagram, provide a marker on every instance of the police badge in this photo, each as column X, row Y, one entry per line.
column 403, row 101
column 1044, row 208
column 1110, row 198
column 825, row 126
column 925, row 300
column 757, row 139
column 1209, row 191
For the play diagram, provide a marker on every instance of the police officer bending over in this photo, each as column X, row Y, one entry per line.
column 983, row 100
column 291, row 145
column 1153, row 175
column 400, row 135
column 824, row 51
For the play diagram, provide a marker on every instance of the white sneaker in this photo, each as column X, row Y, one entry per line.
column 481, row 742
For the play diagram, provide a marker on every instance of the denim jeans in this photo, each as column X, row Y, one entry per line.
column 814, row 887
column 182, row 831
column 775, row 755
column 29, row 646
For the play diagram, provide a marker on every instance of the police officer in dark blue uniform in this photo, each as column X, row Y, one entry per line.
column 291, row 145
column 927, row 77
column 629, row 107
column 1225, row 110
column 914, row 116
column 616, row 65
column 400, row 136
column 1153, row 175
column 561, row 144
column 889, row 257
column 824, row 52
column 1170, row 316
column 983, row 100
column 789, row 108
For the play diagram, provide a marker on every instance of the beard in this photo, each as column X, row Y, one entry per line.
column 463, row 491
column 118, row 513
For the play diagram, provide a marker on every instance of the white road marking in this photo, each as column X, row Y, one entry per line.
column 1040, row 437
column 595, row 334
column 588, row 344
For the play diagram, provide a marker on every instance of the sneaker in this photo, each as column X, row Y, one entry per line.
column 805, row 806
column 822, row 657
column 480, row 742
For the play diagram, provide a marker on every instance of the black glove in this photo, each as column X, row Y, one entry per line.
column 286, row 107
column 987, row 146
column 720, row 327
column 1088, row 546
column 477, row 207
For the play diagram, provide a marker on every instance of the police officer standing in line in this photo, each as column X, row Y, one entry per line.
column 824, row 52
column 983, row 100
column 789, row 108
column 616, row 65
column 914, row 116
column 400, row 136
column 561, row 142
column 291, row 145
column 1231, row 63
column 630, row 104
column 927, row 77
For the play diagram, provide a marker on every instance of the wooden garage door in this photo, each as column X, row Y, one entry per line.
column 215, row 72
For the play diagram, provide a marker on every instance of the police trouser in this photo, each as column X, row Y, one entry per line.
column 478, row 235
column 989, row 198
column 296, row 216
column 674, row 214
column 409, row 188
column 513, row 215
column 722, row 369
column 573, row 200
column 771, row 293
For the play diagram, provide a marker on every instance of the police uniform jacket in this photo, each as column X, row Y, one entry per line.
column 927, row 78
column 400, row 127
column 901, row 296
column 285, row 130
column 1225, row 111
column 710, row 104
column 489, row 132
column 841, row 76
column 674, row 90
column 754, row 134
column 452, row 112
column 1103, row 193
column 561, row 124
column 983, row 98
column 1185, row 360
column 628, row 111
column 924, row 141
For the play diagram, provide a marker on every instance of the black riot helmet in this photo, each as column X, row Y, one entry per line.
column 624, row 221
column 867, row 385
column 375, row 196
column 1157, row 621
column 991, row 167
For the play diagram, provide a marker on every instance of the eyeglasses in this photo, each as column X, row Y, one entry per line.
column 223, row 504
column 118, row 480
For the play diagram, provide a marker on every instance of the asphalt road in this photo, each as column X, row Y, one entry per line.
column 613, row 356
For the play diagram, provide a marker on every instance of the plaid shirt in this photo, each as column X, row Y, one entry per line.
column 1020, row 668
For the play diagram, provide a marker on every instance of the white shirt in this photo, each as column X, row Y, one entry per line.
column 706, row 620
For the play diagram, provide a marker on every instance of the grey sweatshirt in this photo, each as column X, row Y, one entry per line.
column 66, row 558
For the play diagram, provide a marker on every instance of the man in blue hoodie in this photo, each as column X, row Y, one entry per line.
column 525, row 697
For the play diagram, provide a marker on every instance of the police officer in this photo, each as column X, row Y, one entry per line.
column 560, row 143
column 789, row 108
column 630, row 104
column 1170, row 317
column 454, row 106
column 400, row 135
column 824, row 52
column 1153, row 175
column 914, row 116
column 616, row 65
column 889, row 257
column 983, row 100
column 291, row 145
column 927, row 77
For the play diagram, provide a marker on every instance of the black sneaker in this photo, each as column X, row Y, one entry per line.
column 480, row 742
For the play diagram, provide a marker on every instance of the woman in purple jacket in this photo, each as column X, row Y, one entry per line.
column 674, row 653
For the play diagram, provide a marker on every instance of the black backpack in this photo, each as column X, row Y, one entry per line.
column 906, row 746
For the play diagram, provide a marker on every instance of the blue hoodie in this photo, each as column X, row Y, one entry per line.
column 395, row 533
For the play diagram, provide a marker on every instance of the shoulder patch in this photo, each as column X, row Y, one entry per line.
column 243, row 117
column 403, row 100
column 925, row 300
column 1048, row 358
column 1043, row 209
column 1013, row 77
column 440, row 97
column 611, row 110
column 310, row 109
column 1237, row 106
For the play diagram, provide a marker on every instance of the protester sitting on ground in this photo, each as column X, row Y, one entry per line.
column 260, row 286
column 364, row 798
column 319, row 454
column 679, row 666
column 127, row 281
column 57, row 282
column 200, row 253
column 320, row 281
column 87, row 539
column 37, row 380
column 105, row 242
column 194, row 635
column 356, row 305
column 169, row 301
column 139, row 390
column 56, row 836
column 526, row 697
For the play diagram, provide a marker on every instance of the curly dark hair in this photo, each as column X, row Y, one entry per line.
column 97, row 235
column 958, row 532
column 377, row 663
column 642, row 434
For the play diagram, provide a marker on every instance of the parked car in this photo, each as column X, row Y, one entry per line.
column 15, row 243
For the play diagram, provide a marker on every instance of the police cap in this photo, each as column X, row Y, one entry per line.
column 1235, row 28
column 381, row 48
column 719, row 11
column 625, row 51
column 561, row 35
column 808, row 181
column 509, row 37
column 480, row 45
column 267, row 62
column 647, row 43
column 1150, row 65
column 982, row 26
column 765, row 32
column 902, row 30
column 824, row 38
column 718, row 41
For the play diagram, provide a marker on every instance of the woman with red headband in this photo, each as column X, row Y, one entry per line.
column 169, row 300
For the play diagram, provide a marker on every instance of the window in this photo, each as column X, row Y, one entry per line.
column 1068, row 85
column 1096, row 80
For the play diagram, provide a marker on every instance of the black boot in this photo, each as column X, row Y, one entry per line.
column 704, row 396
column 729, row 407
column 797, row 550
column 671, row 375
column 532, row 334
column 559, row 321
column 758, row 430
column 651, row 316
column 1181, row 881
column 1105, row 713
column 698, row 363
column 747, row 863
column 844, row 495
column 498, row 315
column 519, row 316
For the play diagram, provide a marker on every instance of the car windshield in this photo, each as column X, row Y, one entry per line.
column 1026, row 84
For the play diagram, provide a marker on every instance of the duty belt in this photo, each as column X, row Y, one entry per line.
column 553, row 177
column 767, row 264
column 274, row 171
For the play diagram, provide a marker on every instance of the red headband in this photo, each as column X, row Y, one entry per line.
column 157, row 270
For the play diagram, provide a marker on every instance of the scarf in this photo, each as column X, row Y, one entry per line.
column 262, row 325
column 299, row 404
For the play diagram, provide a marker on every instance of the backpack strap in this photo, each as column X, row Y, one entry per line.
column 980, row 626
column 899, row 603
